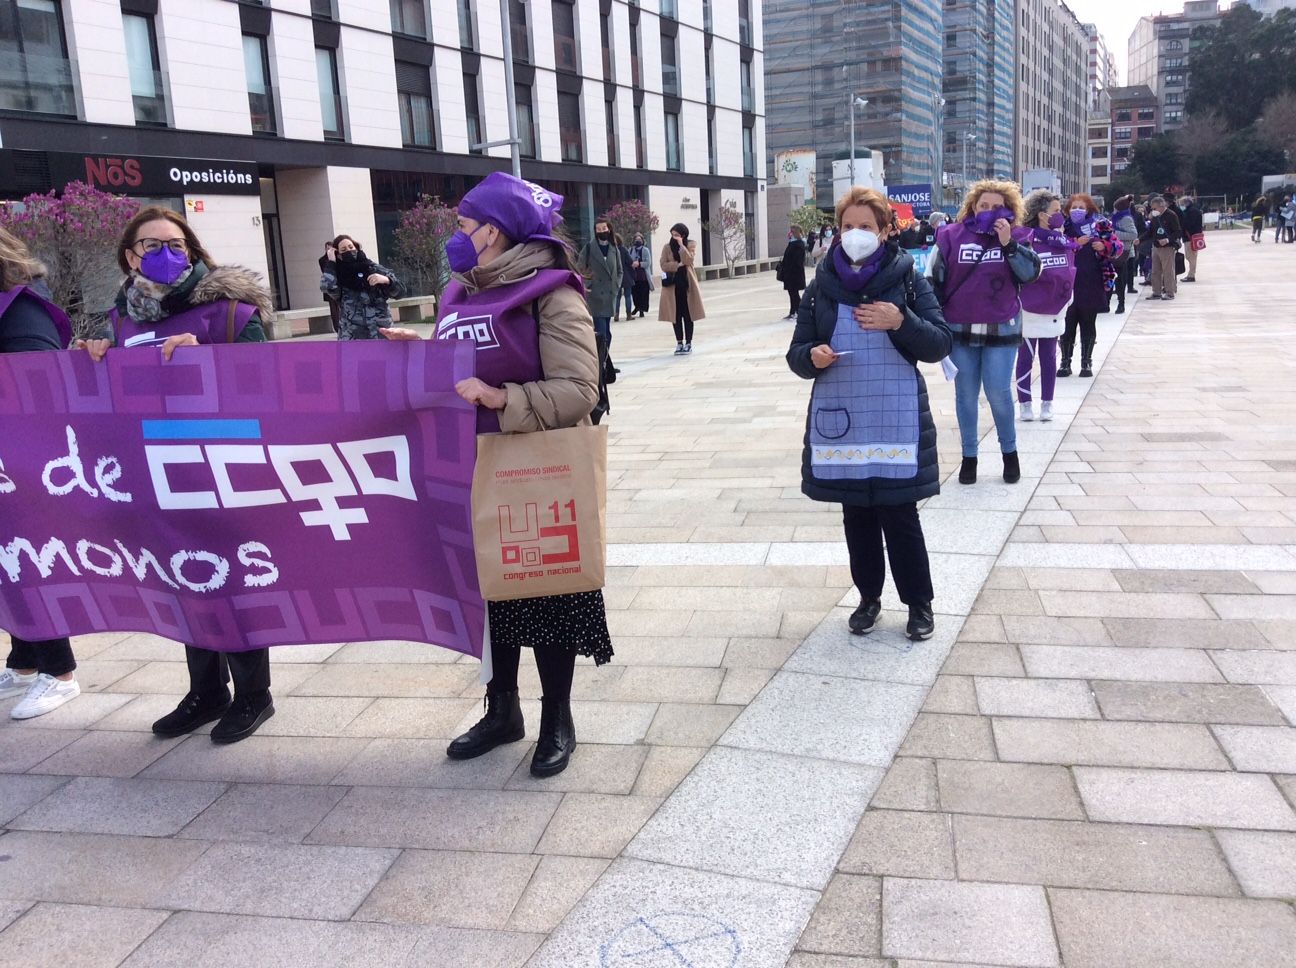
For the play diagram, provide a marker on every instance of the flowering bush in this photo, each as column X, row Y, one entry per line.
column 629, row 217
column 76, row 236
column 421, row 239
column 730, row 227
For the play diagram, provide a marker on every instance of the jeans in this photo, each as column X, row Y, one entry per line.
column 52, row 657
column 990, row 367
column 624, row 294
column 603, row 327
column 905, row 546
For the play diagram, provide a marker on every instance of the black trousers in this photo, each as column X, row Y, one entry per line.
column 683, row 317
column 794, row 301
column 52, row 656
column 1086, row 321
column 556, row 668
column 209, row 671
column 905, row 546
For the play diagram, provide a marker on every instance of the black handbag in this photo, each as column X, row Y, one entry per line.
column 778, row 271
column 668, row 279
column 1180, row 267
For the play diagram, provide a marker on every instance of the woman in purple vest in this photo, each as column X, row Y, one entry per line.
column 537, row 369
column 1044, row 302
column 175, row 295
column 980, row 263
column 40, row 672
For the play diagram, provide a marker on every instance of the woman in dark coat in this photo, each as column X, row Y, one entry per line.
column 361, row 288
column 866, row 321
column 792, row 271
column 1089, row 298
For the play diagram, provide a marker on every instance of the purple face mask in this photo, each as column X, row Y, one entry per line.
column 461, row 251
column 1078, row 215
column 1055, row 220
column 164, row 266
column 983, row 222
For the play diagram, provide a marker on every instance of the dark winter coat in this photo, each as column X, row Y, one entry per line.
column 363, row 308
column 1191, row 220
column 792, row 266
column 602, row 272
column 1090, row 292
column 1167, row 220
column 923, row 336
column 204, row 286
column 26, row 326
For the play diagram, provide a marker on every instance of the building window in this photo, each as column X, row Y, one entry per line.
column 1098, row 171
column 256, row 63
column 609, row 118
column 467, row 32
column 520, row 33
column 670, row 8
column 641, row 147
column 1173, row 45
column 748, row 87
column 472, row 107
column 670, row 67
column 1122, row 151
column 330, row 93
column 1174, row 97
column 1122, row 116
column 1098, row 151
column 145, row 70
column 744, row 22
column 1097, row 134
column 1173, row 117
column 35, row 74
column 1147, row 114
column 636, row 76
column 525, row 120
column 564, row 31
column 749, row 152
column 324, row 9
column 708, row 20
column 1146, row 131
column 1174, row 80
column 708, row 63
column 569, row 128
column 408, row 17
column 1174, row 62
column 414, row 95
column 605, row 38
column 1122, row 134
column 674, row 161
column 749, row 222
column 713, row 160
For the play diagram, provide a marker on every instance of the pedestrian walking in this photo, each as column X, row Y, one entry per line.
column 1164, row 235
column 1280, row 209
column 361, row 288
column 600, row 263
column 1044, row 301
column 326, row 262
column 681, row 302
column 641, row 267
column 1259, row 212
column 176, row 295
column 1127, row 231
column 1094, row 273
column 980, row 263
column 41, row 672
column 1288, row 214
column 866, row 321
column 1192, row 224
column 791, row 271
column 540, row 373
column 626, row 293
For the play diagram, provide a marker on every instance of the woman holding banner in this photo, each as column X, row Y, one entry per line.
column 175, row 295
column 40, row 672
column 539, row 372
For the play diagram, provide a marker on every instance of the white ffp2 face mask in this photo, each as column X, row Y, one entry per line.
column 859, row 244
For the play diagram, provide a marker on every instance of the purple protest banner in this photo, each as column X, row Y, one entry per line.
column 241, row 496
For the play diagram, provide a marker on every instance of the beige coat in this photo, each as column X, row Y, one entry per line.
column 569, row 390
column 666, row 306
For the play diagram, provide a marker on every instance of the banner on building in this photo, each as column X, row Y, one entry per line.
column 918, row 197
column 241, row 496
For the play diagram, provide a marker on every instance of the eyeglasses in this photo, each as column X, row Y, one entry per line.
column 149, row 246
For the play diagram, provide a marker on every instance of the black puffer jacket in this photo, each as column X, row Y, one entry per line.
column 923, row 336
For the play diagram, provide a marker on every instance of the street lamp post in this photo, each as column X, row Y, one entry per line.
column 510, row 96
column 855, row 102
column 968, row 137
column 938, row 153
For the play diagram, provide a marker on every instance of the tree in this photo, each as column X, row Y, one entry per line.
column 76, row 236
column 1200, row 135
column 807, row 218
column 1278, row 126
column 421, row 239
column 731, row 228
column 1237, row 166
column 629, row 217
column 1241, row 64
column 1156, row 160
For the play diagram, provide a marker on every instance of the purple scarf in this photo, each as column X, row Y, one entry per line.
column 852, row 278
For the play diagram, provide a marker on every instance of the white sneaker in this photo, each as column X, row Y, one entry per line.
column 13, row 684
column 45, row 695
column 1026, row 412
column 1046, row 410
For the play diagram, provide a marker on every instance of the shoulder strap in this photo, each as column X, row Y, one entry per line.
column 231, row 309
column 911, row 289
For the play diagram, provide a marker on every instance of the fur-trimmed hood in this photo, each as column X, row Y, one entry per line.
column 238, row 283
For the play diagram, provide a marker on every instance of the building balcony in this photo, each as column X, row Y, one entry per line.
column 37, row 83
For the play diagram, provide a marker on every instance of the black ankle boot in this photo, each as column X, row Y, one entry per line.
column 967, row 471
column 921, row 622
column 1012, row 468
column 1067, row 348
column 865, row 617
column 1086, row 358
column 557, row 738
column 501, row 724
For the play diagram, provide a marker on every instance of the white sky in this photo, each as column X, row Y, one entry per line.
column 1116, row 19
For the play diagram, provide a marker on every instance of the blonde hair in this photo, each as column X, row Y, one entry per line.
column 1010, row 191
column 18, row 266
column 871, row 199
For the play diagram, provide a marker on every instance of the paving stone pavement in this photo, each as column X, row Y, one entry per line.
column 1092, row 763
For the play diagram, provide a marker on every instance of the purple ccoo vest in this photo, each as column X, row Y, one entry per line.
column 502, row 322
column 984, row 292
column 1052, row 290
column 216, row 322
column 59, row 318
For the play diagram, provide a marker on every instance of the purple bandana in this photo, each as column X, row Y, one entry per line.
column 855, row 279
column 522, row 210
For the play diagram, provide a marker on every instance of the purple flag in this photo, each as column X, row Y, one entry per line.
column 241, row 496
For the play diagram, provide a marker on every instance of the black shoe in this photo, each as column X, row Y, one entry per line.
column 967, row 471
column 557, row 738
column 1168, row 296
column 921, row 622
column 1064, row 369
column 1120, row 309
column 1188, row 279
column 865, row 617
column 1086, row 370
column 1131, row 290
column 243, row 718
column 194, row 711
column 1012, row 468
column 501, row 724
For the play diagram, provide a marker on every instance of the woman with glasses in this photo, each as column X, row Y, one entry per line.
column 174, row 295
